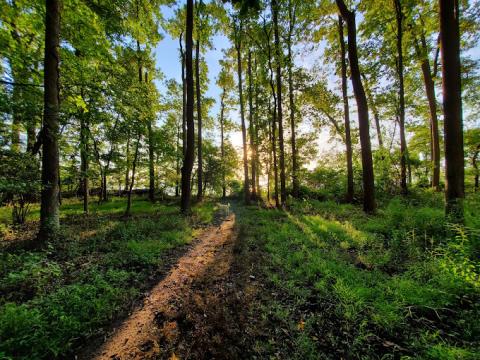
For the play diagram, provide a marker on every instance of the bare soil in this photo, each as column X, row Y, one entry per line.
column 197, row 311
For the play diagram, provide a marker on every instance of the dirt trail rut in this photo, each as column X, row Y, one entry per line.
column 154, row 330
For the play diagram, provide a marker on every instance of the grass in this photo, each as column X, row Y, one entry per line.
column 54, row 299
column 399, row 284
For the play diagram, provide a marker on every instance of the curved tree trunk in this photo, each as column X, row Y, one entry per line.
column 49, row 207
column 432, row 104
column 367, row 162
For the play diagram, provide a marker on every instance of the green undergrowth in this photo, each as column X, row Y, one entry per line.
column 398, row 284
column 54, row 298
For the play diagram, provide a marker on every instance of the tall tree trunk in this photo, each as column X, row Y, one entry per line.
column 177, row 182
column 273, row 133
column 452, row 108
column 31, row 134
column 222, row 142
column 151, row 162
column 84, row 162
column 256, row 140
column 273, row 112
column 401, row 118
column 364, row 127
column 199, row 120
column 251, row 116
column 132, row 183
column 376, row 115
column 16, row 116
column 278, row 55
column 346, row 113
column 49, row 207
column 422, row 52
column 189, row 157
column 184, row 99
column 274, row 147
column 127, row 156
column 238, row 46
column 291, row 96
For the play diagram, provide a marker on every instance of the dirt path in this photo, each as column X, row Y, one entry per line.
column 177, row 318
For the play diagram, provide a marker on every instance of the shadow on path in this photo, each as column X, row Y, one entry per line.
column 194, row 312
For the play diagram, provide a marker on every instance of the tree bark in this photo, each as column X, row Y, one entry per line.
column 238, row 46
column 291, row 96
column 184, row 99
column 273, row 134
column 367, row 162
column 199, row 120
column 49, row 208
column 190, row 143
column 251, row 116
column 432, row 104
column 401, row 117
column 177, row 182
column 346, row 113
column 278, row 53
column 84, row 162
column 222, row 142
column 151, row 163
column 31, row 134
column 132, row 183
column 376, row 116
column 16, row 116
column 452, row 109
column 127, row 156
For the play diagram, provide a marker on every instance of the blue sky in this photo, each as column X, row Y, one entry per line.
column 167, row 60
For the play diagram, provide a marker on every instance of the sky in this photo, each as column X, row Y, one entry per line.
column 167, row 61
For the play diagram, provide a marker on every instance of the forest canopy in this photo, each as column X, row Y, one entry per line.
column 353, row 126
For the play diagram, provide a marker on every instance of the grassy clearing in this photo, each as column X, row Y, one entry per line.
column 344, row 284
column 55, row 298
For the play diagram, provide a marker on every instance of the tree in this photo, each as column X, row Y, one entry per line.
column 199, row 7
column 190, row 150
column 452, row 108
column 292, row 17
column 49, row 209
column 367, row 163
column 346, row 112
column 237, row 35
column 226, row 83
column 401, row 111
column 278, row 58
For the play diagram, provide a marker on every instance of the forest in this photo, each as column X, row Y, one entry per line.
column 239, row 179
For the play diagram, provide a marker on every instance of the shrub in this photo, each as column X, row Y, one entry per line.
column 19, row 182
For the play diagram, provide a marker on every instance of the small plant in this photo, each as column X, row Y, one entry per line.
column 19, row 183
